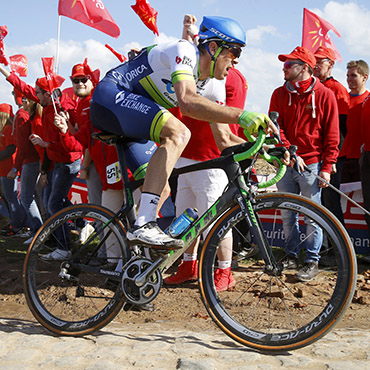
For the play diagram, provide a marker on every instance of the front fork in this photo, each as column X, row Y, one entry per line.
column 257, row 235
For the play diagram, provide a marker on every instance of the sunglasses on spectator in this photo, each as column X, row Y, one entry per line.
column 234, row 51
column 78, row 80
column 322, row 61
column 24, row 99
column 290, row 64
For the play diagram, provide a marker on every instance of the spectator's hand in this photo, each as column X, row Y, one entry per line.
column 333, row 169
column 84, row 173
column 36, row 140
column 61, row 121
column 44, row 179
column 12, row 174
column 326, row 177
column 301, row 164
column 136, row 50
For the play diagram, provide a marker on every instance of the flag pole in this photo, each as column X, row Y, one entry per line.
column 57, row 53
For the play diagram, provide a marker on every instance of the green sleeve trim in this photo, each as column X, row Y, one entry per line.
column 181, row 76
column 157, row 124
column 150, row 47
column 140, row 172
column 152, row 90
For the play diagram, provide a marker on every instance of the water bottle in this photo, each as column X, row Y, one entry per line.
column 181, row 223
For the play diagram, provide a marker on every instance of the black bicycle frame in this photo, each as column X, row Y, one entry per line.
column 237, row 192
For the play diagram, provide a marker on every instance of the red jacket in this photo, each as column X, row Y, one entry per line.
column 6, row 139
column 365, row 124
column 353, row 140
column 55, row 151
column 26, row 151
column 310, row 121
column 103, row 155
column 340, row 93
column 202, row 145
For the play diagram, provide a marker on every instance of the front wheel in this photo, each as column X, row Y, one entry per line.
column 79, row 292
column 273, row 310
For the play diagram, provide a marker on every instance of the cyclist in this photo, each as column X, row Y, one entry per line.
column 133, row 99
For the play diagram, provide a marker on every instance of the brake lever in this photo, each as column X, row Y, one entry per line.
column 293, row 154
column 273, row 117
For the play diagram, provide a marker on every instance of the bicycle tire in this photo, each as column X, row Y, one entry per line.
column 279, row 313
column 74, row 301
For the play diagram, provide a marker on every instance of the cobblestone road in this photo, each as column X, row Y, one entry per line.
column 25, row 345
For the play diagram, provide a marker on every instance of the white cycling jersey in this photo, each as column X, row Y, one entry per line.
column 153, row 72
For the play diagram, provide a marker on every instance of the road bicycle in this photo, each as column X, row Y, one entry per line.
column 268, row 309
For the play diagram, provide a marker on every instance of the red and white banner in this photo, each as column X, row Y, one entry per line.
column 18, row 64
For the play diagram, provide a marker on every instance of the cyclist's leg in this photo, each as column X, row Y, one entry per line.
column 121, row 109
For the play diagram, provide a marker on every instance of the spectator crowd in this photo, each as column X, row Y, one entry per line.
column 46, row 144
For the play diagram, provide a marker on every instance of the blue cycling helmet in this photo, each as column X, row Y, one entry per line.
column 221, row 28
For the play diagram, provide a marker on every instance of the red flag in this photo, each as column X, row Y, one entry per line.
column 3, row 33
column 53, row 80
column 316, row 33
column 93, row 75
column 18, row 63
column 147, row 14
column 91, row 13
column 120, row 57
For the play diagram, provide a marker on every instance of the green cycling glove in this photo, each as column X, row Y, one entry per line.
column 251, row 121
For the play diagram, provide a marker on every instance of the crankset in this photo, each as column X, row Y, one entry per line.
column 141, row 280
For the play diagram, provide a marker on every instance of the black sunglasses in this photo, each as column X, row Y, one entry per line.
column 78, row 80
column 289, row 64
column 234, row 51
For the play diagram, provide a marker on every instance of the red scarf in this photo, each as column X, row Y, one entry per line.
column 302, row 86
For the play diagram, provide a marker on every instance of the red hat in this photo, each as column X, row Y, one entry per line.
column 85, row 70
column 18, row 96
column 78, row 70
column 7, row 108
column 300, row 53
column 325, row 53
column 56, row 81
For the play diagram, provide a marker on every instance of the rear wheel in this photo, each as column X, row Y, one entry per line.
column 81, row 293
column 274, row 311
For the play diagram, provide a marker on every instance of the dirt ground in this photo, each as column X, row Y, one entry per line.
column 175, row 307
